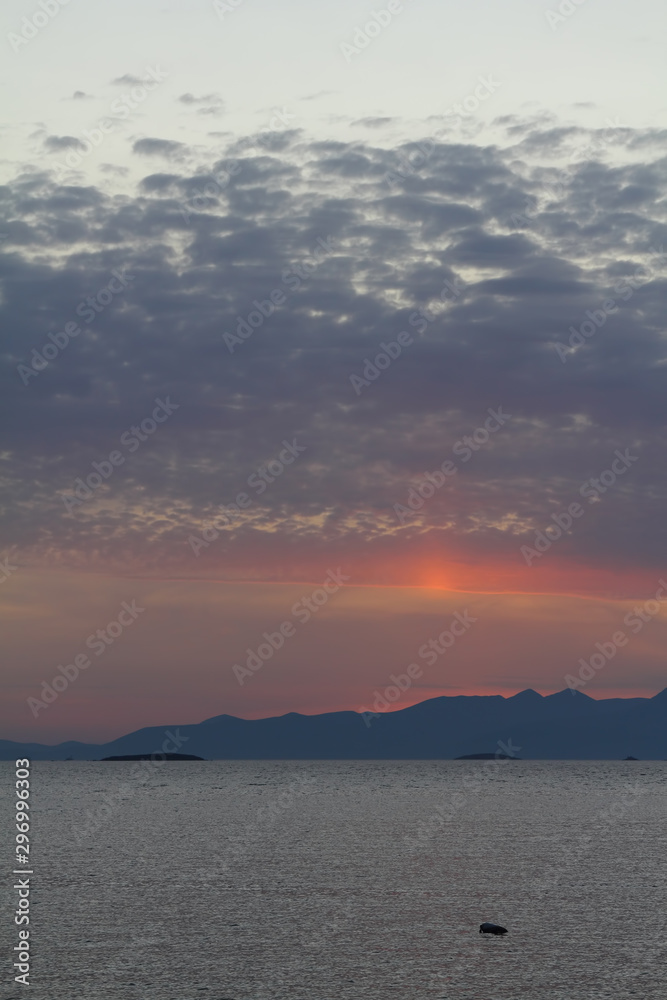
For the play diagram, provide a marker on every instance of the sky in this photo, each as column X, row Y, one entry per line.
column 342, row 318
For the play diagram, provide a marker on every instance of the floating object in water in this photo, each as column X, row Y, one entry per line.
column 487, row 928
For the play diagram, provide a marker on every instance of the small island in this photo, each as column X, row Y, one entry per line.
column 156, row 756
column 487, row 756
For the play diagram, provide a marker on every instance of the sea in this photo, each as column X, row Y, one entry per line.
column 341, row 880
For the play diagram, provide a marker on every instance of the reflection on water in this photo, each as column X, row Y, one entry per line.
column 323, row 880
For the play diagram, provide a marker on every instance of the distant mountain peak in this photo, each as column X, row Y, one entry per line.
column 568, row 693
column 528, row 695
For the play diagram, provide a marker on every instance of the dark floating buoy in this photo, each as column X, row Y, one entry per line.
column 487, row 928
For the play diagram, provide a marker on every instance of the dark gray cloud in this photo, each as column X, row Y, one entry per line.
column 208, row 104
column 56, row 143
column 504, row 265
column 158, row 147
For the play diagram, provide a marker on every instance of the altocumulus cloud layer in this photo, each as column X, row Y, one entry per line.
column 511, row 250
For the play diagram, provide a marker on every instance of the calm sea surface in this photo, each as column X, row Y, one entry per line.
column 343, row 879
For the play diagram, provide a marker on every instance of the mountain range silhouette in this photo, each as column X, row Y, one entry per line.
column 564, row 726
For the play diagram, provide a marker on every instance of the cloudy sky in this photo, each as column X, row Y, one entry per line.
column 215, row 218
